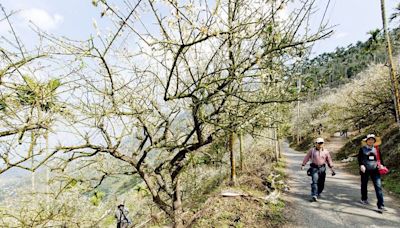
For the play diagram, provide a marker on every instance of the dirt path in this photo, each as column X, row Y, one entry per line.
column 339, row 205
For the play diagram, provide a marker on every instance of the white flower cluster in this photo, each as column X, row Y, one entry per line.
column 356, row 104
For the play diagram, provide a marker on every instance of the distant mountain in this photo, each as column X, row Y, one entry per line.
column 12, row 180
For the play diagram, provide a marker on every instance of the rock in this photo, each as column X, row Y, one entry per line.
column 349, row 159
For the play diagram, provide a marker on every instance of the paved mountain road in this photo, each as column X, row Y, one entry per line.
column 339, row 205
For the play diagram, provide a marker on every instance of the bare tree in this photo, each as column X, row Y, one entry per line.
column 205, row 61
column 28, row 104
column 171, row 78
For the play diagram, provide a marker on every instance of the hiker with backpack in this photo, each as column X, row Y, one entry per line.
column 371, row 166
column 121, row 214
column 320, row 157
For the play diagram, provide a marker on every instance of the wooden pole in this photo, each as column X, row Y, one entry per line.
column 392, row 67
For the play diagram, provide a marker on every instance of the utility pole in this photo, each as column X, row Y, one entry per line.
column 392, row 70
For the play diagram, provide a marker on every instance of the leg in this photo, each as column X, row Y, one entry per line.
column 364, row 184
column 321, row 182
column 376, row 178
column 314, row 184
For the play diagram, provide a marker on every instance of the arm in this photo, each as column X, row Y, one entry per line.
column 329, row 160
column 360, row 154
column 330, row 163
column 359, row 157
column 306, row 158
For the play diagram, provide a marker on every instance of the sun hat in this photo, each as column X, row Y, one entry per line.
column 369, row 136
column 378, row 140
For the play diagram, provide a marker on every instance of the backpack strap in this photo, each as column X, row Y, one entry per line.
column 378, row 154
column 124, row 218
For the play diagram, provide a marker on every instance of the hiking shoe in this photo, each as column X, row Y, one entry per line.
column 382, row 208
column 364, row 202
column 314, row 199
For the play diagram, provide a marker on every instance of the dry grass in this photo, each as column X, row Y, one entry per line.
column 253, row 180
column 237, row 212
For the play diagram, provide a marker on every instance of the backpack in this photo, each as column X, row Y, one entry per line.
column 384, row 170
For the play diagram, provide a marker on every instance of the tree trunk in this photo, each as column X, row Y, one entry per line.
column 298, row 111
column 279, row 142
column 232, row 68
column 393, row 77
column 241, row 151
column 31, row 155
column 276, row 145
column 233, row 160
column 279, row 148
column 177, row 204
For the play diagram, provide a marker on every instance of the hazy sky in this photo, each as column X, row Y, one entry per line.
column 74, row 19
column 353, row 19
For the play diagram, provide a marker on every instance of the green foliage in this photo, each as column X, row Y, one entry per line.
column 142, row 189
column 275, row 213
column 38, row 94
column 391, row 182
column 305, row 144
column 390, row 150
column 72, row 184
column 26, row 96
column 129, row 184
column 110, row 221
column 338, row 67
column 3, row 105
column 53, row 84
column 350, row 148
column 97, row 197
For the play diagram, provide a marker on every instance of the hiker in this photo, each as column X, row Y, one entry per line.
column 121, row 214
column 320, row 129
column 344, row 132
column 319, row 158
column 368, row 162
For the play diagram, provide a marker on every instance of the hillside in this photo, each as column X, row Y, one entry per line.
column 333, row 69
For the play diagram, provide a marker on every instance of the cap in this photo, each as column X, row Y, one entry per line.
column 319, row 140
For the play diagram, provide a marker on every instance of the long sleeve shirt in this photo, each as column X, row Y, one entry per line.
column 368, row 156
column 318, row 157
column 122, row 216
